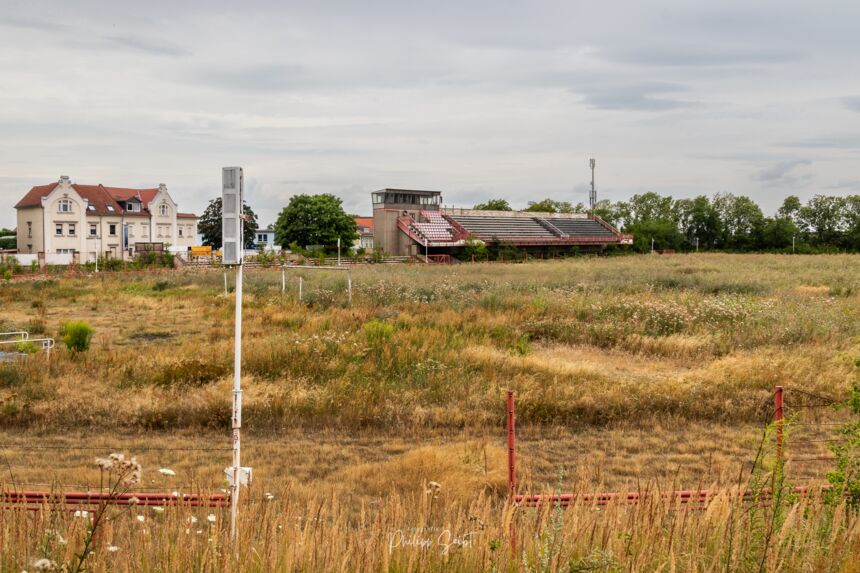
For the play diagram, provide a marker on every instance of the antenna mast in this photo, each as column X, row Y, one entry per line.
column 592, row 198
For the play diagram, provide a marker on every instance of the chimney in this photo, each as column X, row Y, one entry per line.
column 64, row 179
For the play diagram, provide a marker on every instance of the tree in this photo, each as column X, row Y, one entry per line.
column 823, row 216
column 778, row 232
column 494, row 205
column 315, row 220
column 209, row 224
column 550, row 206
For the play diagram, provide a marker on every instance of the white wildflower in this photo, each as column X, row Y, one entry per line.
column 141, row 518
column 192, row 519
column 269, row 497
column 44, row 565
column 211, row 517
column 112, row 548
column 167, row 472
column 133, row 501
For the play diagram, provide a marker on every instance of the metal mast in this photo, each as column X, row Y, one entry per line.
column 592, row 197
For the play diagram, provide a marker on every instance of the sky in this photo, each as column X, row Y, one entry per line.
column 486, row 99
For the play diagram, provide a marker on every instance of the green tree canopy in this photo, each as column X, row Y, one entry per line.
column 550, row 206
column 209, row 224
column 315, row 220
column 494, row 205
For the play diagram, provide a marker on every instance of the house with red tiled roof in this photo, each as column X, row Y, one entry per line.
column 364, row 226
column 86, row 221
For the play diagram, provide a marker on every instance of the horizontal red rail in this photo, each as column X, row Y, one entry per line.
column 75, row 498
column 683, row 497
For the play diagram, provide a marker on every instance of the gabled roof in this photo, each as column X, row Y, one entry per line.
column 364, row 222
column 33, row 198
column 100, row 197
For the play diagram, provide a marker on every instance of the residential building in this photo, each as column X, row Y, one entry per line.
column 364, row 227
column 265, row 239
column 86, row 221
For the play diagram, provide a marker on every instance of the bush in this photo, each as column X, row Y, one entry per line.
column 7, row 274
column 160, row 286
column 378, row 332
column 77, row 335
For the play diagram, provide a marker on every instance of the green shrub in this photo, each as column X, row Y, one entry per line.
column 26, row 347
column 378, row 332
column 160, row 286
column 77, row 335
column 7, row 274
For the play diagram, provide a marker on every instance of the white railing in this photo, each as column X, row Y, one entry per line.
column 20, row 334
column 46, row 344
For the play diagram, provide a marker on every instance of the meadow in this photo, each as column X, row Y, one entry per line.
column 631, row 373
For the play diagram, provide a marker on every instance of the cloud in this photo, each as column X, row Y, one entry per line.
column 680, row 55
column 648, row 96
column 156, row 47
column 851, row 184
column 843, row 142
column 782, row 174
column 852, row 103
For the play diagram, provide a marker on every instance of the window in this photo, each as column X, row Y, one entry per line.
column 112, row 229
column 180, row 231
column 29, row 229
column 94, row 230
column 71, row 229
column 261, row 238
column 132, row 207
column 162, row 209
column 91, row 208
column 145, row 231
column 110, row 208
column 58, row 230
column 65, row 206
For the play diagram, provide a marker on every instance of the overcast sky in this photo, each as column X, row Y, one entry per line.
column 476, row 99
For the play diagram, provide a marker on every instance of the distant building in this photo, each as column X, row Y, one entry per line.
column 364, row 227
column 411, row 222
column 86, row 221
column 265, row 238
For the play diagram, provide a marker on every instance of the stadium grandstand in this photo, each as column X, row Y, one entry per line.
column 414, row 223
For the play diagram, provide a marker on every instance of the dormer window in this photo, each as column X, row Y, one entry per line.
column 162, row 209
column 91, row 208
column 110, row 208
column 64, row 206
column 132, row 207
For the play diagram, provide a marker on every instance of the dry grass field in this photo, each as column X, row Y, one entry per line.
column 631, row 373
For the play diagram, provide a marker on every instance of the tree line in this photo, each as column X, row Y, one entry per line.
column 725, row 222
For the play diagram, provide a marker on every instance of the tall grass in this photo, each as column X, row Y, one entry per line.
column 425, row 532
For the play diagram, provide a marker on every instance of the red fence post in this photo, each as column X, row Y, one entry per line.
column 512, row 468
column 512, row 452
column 778, row 418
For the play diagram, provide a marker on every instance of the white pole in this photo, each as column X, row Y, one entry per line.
column 349, row 284
column 237, row 405
column 338, row 251
column 283, row 280
column 792, row 243
column 225, row 282
column 652, row 246
column 300, row 288
column 697, row 244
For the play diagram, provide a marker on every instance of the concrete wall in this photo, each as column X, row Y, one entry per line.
column 388, row 236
